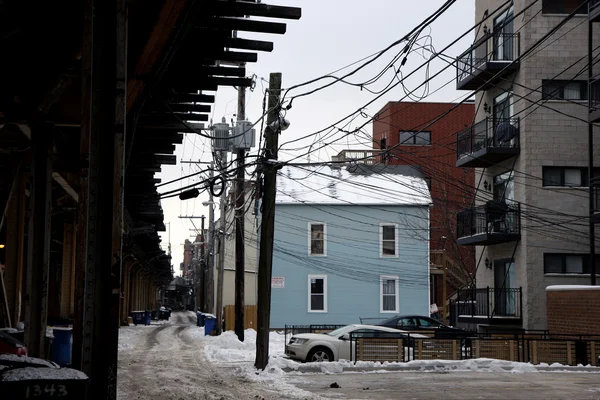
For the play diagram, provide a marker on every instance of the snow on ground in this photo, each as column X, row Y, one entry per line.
column 227, row 349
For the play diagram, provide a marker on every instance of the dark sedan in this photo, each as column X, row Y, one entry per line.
column 425, row 324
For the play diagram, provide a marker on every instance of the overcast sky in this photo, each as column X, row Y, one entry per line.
column 330, row 35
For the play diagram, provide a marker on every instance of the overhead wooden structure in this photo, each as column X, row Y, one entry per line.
column 176, row 55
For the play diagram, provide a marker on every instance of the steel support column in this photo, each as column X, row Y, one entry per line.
column 38, row 262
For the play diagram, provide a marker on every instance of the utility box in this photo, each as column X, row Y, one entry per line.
column 244, row 136
column 222, row 140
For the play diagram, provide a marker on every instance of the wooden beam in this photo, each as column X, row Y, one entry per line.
column 189, row 108
column 183, row 87
column 246, row 25
column 220, row 71
column 217, row 80
column 233, row 56
column 146, row 150
column 247, row 44
column 161, row 34
column 192, row 117
column 173, row 126
column 156, row 158
column 192, row 98
column 241, row 9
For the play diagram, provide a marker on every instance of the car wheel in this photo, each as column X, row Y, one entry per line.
column 319, row 354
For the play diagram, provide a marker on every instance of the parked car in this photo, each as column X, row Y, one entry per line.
column 335, row 345
column 10, row 345
column 419, row 323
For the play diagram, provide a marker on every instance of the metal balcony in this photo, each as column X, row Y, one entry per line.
column 595, row 182
column 490, row 305
column 594, row 10
column 491, row 59
column 594, row 93
column 497, row 221
column 487, row 142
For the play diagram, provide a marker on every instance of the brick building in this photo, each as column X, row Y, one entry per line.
column 417, row 136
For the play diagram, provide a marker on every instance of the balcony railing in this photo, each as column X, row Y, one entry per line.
column 368, row 157
column 497, row 221
column 595, row 182
column 594, row 93
column 594, row 10
column 487, row 142
column 489, row 303
column 487, row 61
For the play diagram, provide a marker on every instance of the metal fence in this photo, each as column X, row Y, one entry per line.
column 391, row 347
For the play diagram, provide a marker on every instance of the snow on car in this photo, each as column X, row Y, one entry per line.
column 335, row 345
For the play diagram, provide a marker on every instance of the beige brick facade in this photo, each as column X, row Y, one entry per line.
column 553, row 134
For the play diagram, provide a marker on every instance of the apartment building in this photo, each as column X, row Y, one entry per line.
column 529, row 149
column 415, row 134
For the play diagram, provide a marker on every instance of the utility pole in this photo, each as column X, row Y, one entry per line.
column 200, row 270
column 267, row 226
column 222, row 228
column 239, row 224
column 211, row 245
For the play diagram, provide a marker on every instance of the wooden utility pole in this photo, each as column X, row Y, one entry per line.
column 199, row 271
column 267, row 226
column 222, row 233
column 211, row 240
column 239, row 225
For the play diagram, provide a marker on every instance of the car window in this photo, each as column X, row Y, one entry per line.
column 368, row 333
column 407, row 323
column 427, row 323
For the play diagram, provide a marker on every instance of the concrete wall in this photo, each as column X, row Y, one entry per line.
column 353, row 265
column 553, row 134
column 573, row 310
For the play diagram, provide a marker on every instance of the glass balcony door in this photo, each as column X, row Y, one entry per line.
column 503, row 36
column 504, row 281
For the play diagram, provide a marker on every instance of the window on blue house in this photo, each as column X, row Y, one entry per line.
column 388, row 238
column 317, row 293
column 390, row 296
column 317, row 239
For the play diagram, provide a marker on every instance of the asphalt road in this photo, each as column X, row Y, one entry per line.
column 455, row 385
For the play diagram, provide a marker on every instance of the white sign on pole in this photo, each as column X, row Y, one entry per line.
column 278, row 282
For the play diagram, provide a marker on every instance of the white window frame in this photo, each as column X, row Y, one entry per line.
column 310, row 224
column 324, row 277
column 383, row 278
column 381, row 225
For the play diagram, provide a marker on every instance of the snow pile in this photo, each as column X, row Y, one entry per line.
column 226, row 348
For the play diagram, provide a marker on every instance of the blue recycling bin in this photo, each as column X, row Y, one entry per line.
column 138, row 317
column 62, row 346
column 200, row 318
column 210, row 323
column 148, row 317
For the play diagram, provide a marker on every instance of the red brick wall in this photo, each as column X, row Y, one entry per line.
column 451, row 187
column 573, row 311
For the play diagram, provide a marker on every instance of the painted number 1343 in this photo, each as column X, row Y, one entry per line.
column 46, row 390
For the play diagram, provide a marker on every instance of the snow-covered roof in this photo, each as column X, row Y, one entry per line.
column 352, row 185
column 555, row 288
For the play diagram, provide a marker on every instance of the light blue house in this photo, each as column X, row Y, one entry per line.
column 350, row 242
